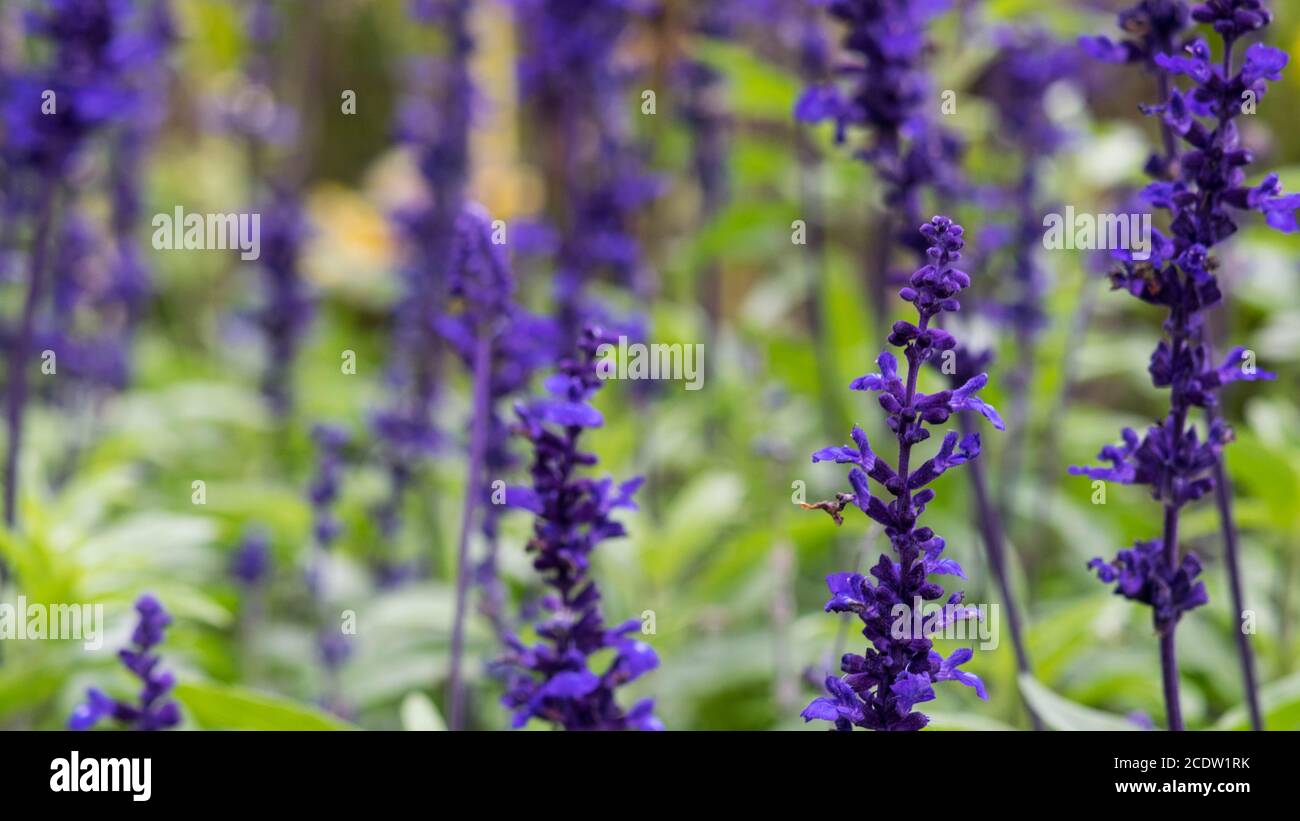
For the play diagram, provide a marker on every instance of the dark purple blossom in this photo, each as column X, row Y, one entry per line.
column 1233, row 18
column 152, row 710
column 880, row 688
column 553, row 680
column 1203, row 190
column 91, row 55
column 1141, row 573
column 1202, row 204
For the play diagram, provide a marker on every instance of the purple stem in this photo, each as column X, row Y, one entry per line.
column 16, row 396
column 477, row 448
column 1228, row 526
column 904, row 444
column 990, row 524
column 1168, row 658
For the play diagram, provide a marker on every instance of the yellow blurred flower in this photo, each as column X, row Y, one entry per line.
column 351, row 247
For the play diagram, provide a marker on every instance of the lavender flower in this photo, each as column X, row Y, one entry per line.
column 882, row 687
column 1142, row 574
column 86, row 71
column 1203, row 199
column 1154, row 26
column 152, row 710
column 553, row 679
column 261, row 121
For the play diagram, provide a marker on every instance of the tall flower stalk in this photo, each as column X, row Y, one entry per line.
column 553, row 680
column 49, row 113
column 881, row 687
column 480, row 282
column 1204, row 192
column 433, row 121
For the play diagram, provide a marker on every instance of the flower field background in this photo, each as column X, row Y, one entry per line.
column 321, row 484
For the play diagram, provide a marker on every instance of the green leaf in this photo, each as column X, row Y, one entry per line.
column 1059, row 713
column 1280, row 703
column 965, row 721
column 756, row 88
column 419, row 713
column 222, row 707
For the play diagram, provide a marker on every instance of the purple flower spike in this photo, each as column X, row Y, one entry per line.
column 554, row 680
column 152, row 710
column 1200, row 183
column 880, row 93
column 880, row 689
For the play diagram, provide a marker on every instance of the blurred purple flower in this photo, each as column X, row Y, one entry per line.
column 287, row 308
column 572, row 78
column 251, row 562
column 152, row 710
column 432, row 121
